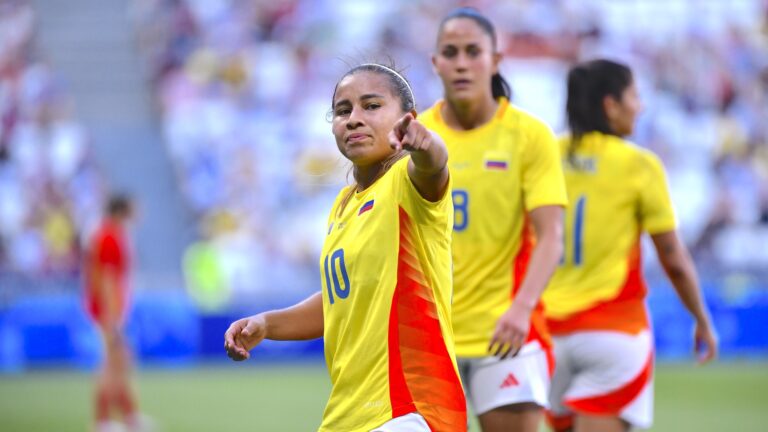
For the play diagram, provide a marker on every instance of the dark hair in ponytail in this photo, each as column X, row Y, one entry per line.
column 499, row 86
column 588, row 85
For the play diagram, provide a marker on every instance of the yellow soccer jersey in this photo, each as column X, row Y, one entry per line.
column 386, row 286
column 501, row 170
column 616, row 190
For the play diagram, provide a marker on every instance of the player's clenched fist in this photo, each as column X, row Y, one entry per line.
column 243, row 335
column 408, row 134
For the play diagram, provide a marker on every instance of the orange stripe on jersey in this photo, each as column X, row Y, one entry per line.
column 399, row 395
column 614, row 402
column 538, row 330
column 422, row 376
column 625, row 313
column 520, row 263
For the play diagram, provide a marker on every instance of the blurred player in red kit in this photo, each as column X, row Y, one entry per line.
column 107, row 265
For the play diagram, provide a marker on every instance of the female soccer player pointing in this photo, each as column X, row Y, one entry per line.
column 596, row 300
column 508, row 189
column 384, row 306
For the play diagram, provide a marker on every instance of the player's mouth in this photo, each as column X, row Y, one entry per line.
column 461, row 84
column 356, row 138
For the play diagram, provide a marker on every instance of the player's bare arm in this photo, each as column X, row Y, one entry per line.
column 302, row 321
column 678, row 265
column 512, row 328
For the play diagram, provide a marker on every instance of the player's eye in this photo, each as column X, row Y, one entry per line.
column 342, row 111
column 473, row 51
column 449, row 52
column 373, row 106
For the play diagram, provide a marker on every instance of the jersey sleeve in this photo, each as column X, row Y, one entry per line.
column 421, row 209
column 543, row 180
column 657, row 214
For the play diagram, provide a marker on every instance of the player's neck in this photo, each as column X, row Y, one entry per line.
column 367, row 175
column 466, row 115
column 113, row 221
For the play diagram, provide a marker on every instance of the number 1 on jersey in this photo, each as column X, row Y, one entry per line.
column 578, row 232
column 336, row 261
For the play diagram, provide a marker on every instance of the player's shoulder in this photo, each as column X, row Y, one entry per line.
column 532, row 133
column 521, row 119
column 343, row 193
column 432, row 109
column 430, row 117
column 643, row 157
column 104, row 233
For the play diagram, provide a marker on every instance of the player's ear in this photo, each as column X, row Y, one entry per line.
column 414, row 113
column 497, row 56
column 434, row 63
column 610, row 107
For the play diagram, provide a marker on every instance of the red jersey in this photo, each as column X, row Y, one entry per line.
column 107, row 251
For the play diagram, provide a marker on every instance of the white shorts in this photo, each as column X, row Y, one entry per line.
column 412, row 422
column 603, row 373
column 492, row 383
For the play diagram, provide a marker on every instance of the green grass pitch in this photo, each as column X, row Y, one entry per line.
column 239, row 397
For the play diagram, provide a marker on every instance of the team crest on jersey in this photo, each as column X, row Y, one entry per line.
column 366, row 207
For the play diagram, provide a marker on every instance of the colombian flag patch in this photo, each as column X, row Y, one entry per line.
column 492, row 164
column 367, row 206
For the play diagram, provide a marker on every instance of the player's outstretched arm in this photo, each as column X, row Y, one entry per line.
column 428, row 168
column 299, row 322
column 678, row 265
column 513, row 327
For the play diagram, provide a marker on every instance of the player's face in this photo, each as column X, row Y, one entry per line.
column 465, row 60
column 622, row 115
column 364, row 112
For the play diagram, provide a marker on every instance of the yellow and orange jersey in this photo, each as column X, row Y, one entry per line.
column 501, row 170
column 386, row 272
column 617, row 191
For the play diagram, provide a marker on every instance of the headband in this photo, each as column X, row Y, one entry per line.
column 395, row 73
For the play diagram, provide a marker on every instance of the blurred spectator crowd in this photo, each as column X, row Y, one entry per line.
column 243, row 88
column 49, row 184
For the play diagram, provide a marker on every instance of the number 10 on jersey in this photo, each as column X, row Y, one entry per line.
column 337, row 267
